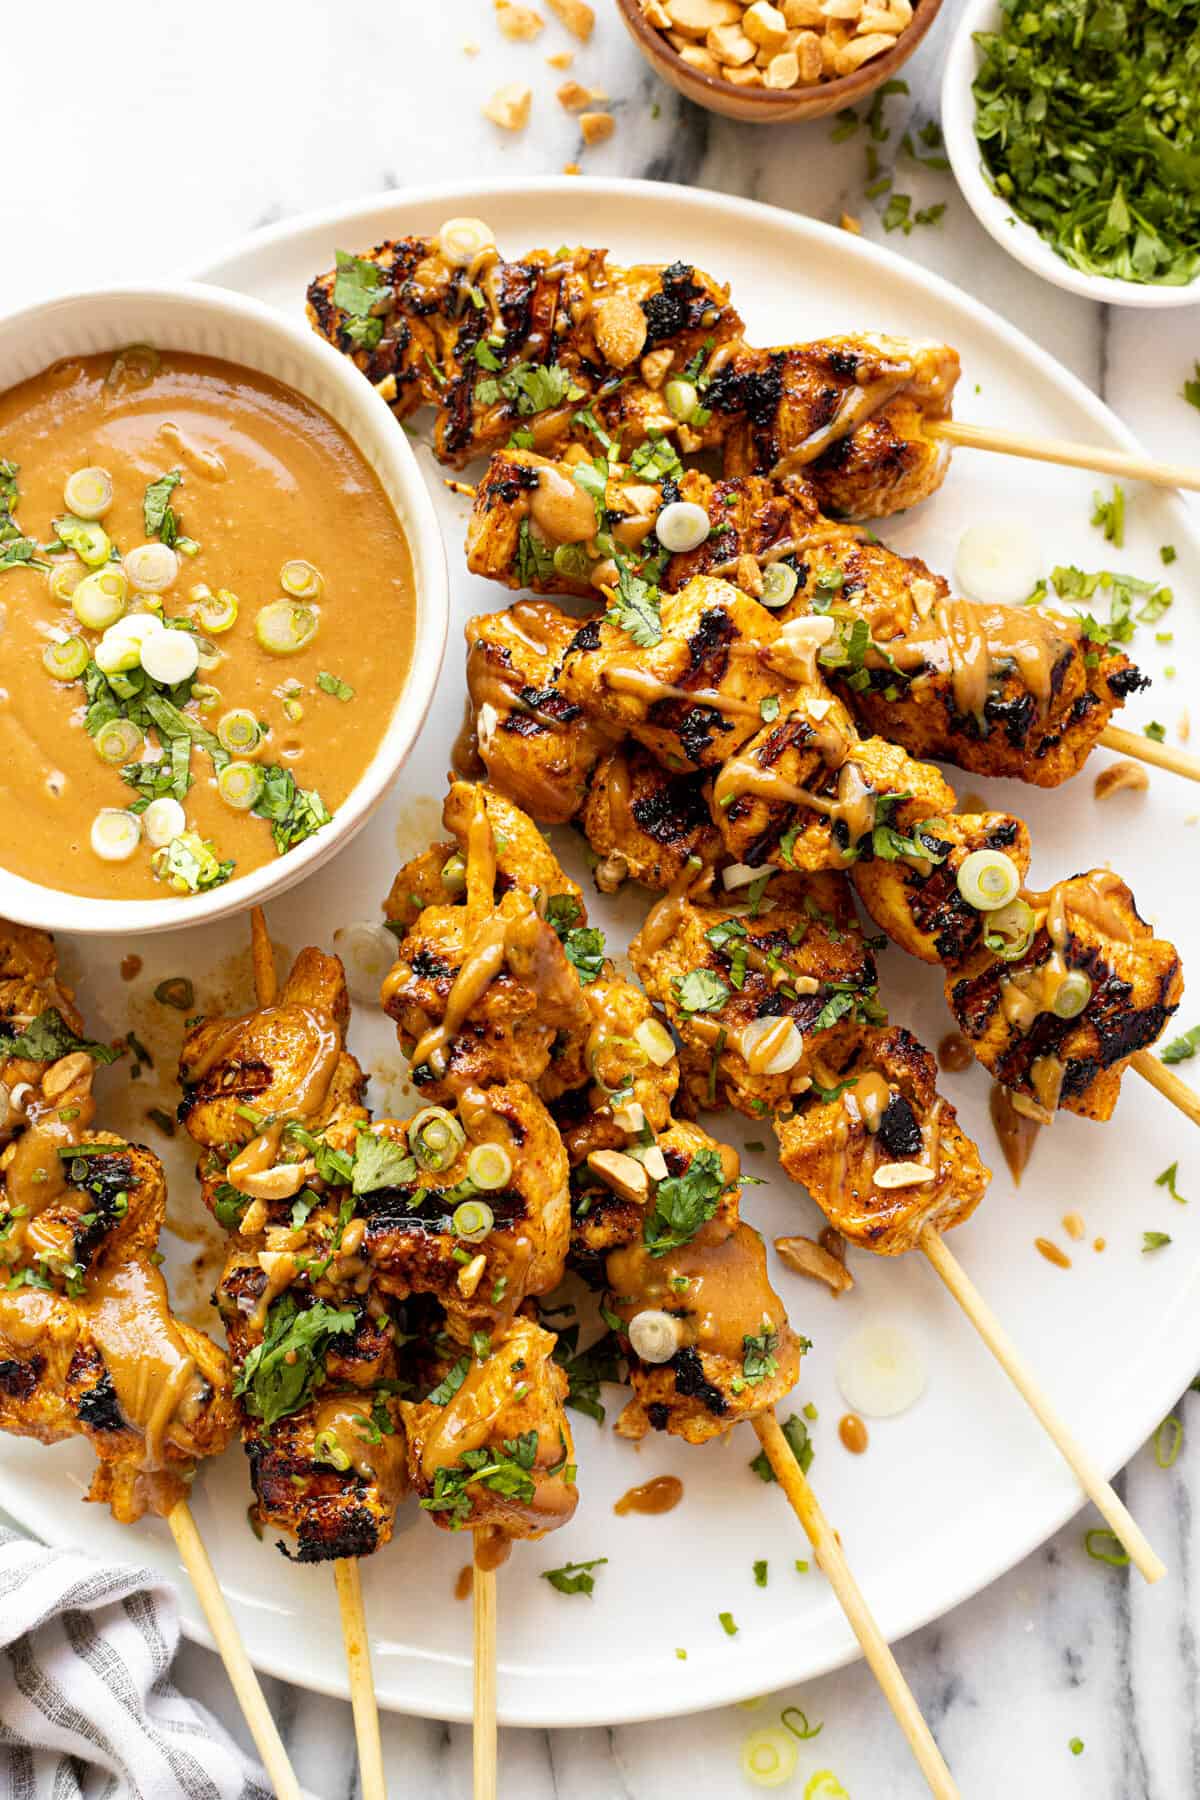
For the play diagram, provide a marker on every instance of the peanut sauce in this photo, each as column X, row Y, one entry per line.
column 1100, row 1244
column 955, row 1053
column 464, row 1582
column 493, row 1547
column 660, row 1495
column 853, row 1433
column 1016, row 1133
column 1074, row 1226
column 1052, row 1253
column 293, row 486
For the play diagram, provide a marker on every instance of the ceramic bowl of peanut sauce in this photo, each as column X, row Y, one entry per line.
column 223, row 607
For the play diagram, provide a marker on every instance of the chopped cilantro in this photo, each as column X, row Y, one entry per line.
column 381, row 1162
column 574, row 1578
column 47, row 1038
column 1154, row 1240
column 683, row 1203
column 157, row 513
column 281, row 1373
column 1168, row 1179
column 1180, row 1049
column 585, row 952
column 636, row 608
column 332, row 684
column 700, row 990
column 727, row 1624
column 799, row 1443
column 760, row 1574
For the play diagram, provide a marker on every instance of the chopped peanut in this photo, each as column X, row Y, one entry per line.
column 509, row 107
column 572, row 169
column 730, row 45
column 471, row 1274
column 751, row 43
column 783, row 71
column 576, row 15
column 657, row 14
column 696, row 57
column 861, row 49
column 621, row 328
column 562, row 59
column 806, row 1258
column 653, row 368
column 807, row 50
column 748, row 76
column 1120, row 777
column 518, row 23
column 765, row 24
column 849, row 223
column 596, row 126
column 576, row 98
column 623, row 1174
column 696, row 18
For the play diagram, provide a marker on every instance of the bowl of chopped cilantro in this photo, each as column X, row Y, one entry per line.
column 1073, row 128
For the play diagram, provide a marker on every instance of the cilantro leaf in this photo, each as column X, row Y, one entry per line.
column 1180, row 1049
column 281, row 1373
column 157, row 513
column 333, row 684
column 1168, row 1179
column 450, row 1383
column 683, row 1203
column 381, row 1162
column 799, row 1443
column 700, row 990
column 49, row 1037
column 574, row 1578
column 585, row 952
column 636, row 608
column 562, row 911
column 1154, row 1240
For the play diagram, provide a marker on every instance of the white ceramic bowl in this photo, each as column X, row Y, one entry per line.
column 212, row 322
column 993, row 212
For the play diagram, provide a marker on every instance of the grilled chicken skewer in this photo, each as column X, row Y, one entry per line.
column 88, row 1343
column 655, row 1200
column 998, row 690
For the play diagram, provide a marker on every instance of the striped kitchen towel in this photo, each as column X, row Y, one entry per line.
column 87, row 1708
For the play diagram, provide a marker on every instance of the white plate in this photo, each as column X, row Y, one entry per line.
column 951, row 1494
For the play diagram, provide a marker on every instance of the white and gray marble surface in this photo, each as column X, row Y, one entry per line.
column 143, row 138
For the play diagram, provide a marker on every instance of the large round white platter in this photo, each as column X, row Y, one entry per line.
column 961, row 1487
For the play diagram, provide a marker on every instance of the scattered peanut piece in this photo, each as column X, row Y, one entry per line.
column 520, row 24
column 596, row 126
column 621, row 327
column 783, row 71
column 1120, row 776
column 572, row 169
column 576, row 15
column 509, row 106
column 806, row 1258
column 576, row 98
column 562, row 59
column 849, row 223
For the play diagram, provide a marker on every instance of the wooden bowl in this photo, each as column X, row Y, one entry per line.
column 773, row 106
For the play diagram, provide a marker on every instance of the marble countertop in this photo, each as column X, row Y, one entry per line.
column 194, row 125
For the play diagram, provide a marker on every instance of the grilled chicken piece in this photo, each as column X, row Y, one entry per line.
column 886, row 1156
column 718, row 970
column 495, row 1453
column 645, row 823
column 500, row 346
column 424, row 881
column 483, row 991
column 692, row 698
column 521, row 856
column 332, row 1475
column 625, row 1057
column 1086, row 926
column 737, row 1354
column 847, row 413
column 611, row 1206
column 918, row 903
column 88, row 1344
column 805, row 795
column 30, row 995
column 537, row 746
column 285, row 1060
column 411, row 1243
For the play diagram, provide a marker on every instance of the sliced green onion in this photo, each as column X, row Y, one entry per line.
column 66, row 661
column 163, row 820
column 987, row 880
column 206, row 697
column 573, row 561
column 473, row 1220
column 91, row 544
column 299, row 579
column 208, row 656
column 803, row 1730
column 239, row 732
column 116, row 834
column 1167, row 1441
column 170, row 656
column 99, row 600
column 176, row 991
column 769, row 1758
column 88, row 493
column 326, row 1449
column 216, row 612
column 490, row 1167
column 151, row 567
column 779, row 583
column 1103, row 1545
column 682, row 398
column 824, row 1785
column 120, row 741
column 117, row 653
column 682, row 526
column 293, row 710
column 285, row 626
column 240, row 784
column 656, row 1041
column 454, row 874
column 1074, row 992
column 64, row 578
column 435, row 1138
column 1009, row 930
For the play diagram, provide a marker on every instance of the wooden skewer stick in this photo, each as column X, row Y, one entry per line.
column 1058, row 450
column 345, row 1569
column 1153, row 1070
column 831, row 1559
column 1089, row 1476
column 484, row 1727
column 238, row 1667
column 1144, row 749
column 372, row 1784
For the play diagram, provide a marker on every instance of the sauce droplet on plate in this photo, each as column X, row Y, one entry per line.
column 1016, row 1134
column 1074, row 1226
column 1052, row 1253
column 661, row 1495
column 853, row 1433
column 955, row 1053
column 464, row 1583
